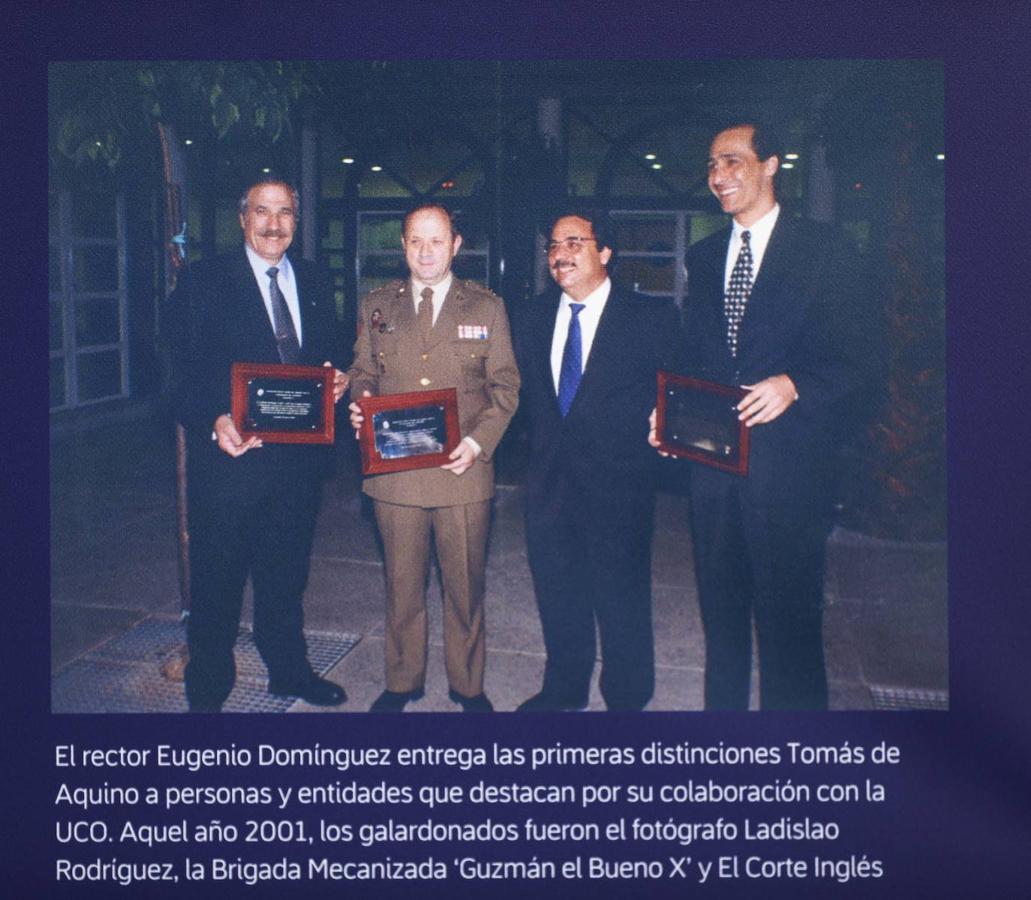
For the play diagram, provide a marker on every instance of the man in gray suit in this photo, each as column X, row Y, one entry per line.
column 429, row 332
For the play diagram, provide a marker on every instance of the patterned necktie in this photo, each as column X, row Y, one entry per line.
column 424, row 314
column 738, row 290
column 572, row 361
column 286, row 334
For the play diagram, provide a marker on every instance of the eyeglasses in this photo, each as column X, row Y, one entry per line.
column 572, row 244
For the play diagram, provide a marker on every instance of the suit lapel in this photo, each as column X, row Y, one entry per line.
column 254, row 315
column 764, row 300
column 706, row 280
column 774, row 260
column 606, row 350
column 544, row 333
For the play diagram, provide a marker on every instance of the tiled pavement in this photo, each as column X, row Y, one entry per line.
column 113, row 565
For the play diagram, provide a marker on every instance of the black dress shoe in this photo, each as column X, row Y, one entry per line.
column 479, row 703
column 546, row 702
column 394, row 701
column 316, row 691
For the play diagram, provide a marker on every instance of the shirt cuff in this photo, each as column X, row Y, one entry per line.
column 214, row 434
column 477, row 449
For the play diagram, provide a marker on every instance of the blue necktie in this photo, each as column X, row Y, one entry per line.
column 572, row 361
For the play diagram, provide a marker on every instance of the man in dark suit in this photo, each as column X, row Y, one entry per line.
column 775, row 305
column 252, row 508
column 588, row 353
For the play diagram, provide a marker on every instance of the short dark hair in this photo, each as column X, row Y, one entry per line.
column 601, row 223
column 270, row 181
column 767, row 138
column 423, row 207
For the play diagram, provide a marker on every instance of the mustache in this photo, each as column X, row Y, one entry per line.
column 272, row 232
column 563, row 264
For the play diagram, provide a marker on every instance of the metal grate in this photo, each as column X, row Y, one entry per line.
column 908, row 698
column 124, row 674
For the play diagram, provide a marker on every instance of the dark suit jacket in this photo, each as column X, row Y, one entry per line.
column 808, row 316
column 602, row 443
column 217, row 317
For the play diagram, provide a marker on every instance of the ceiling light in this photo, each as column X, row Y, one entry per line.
column 656, row 165
column 376, row 168
column 790, row 156
column 787, row 165
column 649, row 156
column 347, row 160
column 940, row 156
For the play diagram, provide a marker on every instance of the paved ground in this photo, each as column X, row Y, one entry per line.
column 113, row 565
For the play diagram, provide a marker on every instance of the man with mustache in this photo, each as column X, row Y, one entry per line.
column 776, row 305
column 252, row 507
column 588, row 352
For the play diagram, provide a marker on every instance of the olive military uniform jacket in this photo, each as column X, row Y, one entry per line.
column 469, row 349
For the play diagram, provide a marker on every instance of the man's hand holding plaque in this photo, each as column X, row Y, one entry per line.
column 418, row 430
column 282, row 404
column 701, row 421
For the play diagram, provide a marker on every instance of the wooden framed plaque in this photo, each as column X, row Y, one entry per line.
column 698, row 420
column 417, row 430
column 283, row 404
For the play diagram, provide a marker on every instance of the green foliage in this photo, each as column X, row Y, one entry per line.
column 100, row 111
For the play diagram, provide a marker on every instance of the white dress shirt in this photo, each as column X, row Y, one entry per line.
column 594, row 305
column 759, row 237
column 287, row 286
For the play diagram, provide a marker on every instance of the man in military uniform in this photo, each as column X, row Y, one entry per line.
column 431, row 332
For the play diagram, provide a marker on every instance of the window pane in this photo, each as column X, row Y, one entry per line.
column 473, row 231
column 54, row 211
column 96, row 268
column 56, row 383
column 380, row 233
column 333, row 239
column 93, row 215
column 100, row 375
column 96, row 322
column 474, row 267
column 227, row 228
column 654, row 235
column 648, row 275
column 55, row 269
column 379, row 184
column 384, row 267
column 56, row 322
column 701, row 226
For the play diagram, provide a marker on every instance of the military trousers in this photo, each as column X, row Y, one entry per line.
column 459, row 535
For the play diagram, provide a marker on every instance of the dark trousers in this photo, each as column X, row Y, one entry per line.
column 269, row 539
column 590, row 557
column 766, row 563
